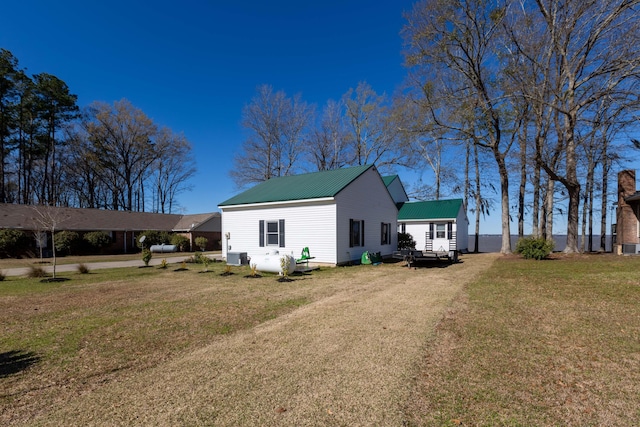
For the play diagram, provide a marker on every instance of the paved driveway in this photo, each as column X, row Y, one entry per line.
column 23, row 271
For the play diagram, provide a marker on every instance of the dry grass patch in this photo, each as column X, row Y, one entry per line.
column 337, row 347
column 99, row 327
column 538, row 343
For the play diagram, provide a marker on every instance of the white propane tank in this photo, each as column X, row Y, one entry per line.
column 270, row 262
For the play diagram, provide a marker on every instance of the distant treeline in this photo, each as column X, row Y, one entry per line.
column 102, row 156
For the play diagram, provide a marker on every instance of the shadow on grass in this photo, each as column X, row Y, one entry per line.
column 12, row 362
column 54, row 279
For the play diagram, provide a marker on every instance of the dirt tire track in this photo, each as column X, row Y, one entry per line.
column 348, row 359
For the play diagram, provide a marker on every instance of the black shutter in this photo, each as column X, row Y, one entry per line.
column 281, row 232
column 350, row 233
column 449, row 230
column 431, row 230
column 261, row 233
column 362, row 233
column 383, row 235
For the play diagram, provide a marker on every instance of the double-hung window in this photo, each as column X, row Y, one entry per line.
column 440, row 231
column 272, row 233
column 356, row 233
column 385, row 233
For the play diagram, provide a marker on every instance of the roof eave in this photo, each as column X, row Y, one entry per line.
column 426, row 219
column 633, row 197
column 282, row 202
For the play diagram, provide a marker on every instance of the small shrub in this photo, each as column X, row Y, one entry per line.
column 206, row 261
column 83, row 269
column 97, row 239
column 534, row 247
column 201, row 242
column 12, row 242
column 146, row 256
column 405, row 241
column 254, row 270
column 180, row 241
column 183, row 267
column 163, row 263
column 227, row 271
column 67, row 241
column 285, row 263
column 35, row 271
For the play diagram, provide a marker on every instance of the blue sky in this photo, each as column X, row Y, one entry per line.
column 193, row 65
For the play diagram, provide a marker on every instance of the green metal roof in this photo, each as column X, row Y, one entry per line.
column 388, row 179
column 433, row 209
column 299, row 187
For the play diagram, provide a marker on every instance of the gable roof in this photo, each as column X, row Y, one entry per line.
column 306, row 186
column 389, row 179
column 193, row 221
column 433, row 209
column 84, row 219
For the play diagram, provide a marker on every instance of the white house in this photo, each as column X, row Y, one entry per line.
column 437, row 225
column 337, row 214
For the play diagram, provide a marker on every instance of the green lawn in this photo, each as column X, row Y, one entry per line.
column 553, row 342
column 529, row 343
column 76, row 334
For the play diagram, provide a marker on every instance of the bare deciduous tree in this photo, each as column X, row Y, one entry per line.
column 590, row 53
column 453, row 48
column 172, row 169
column 327, row 142
column 49, row 219
column 277, row 126
column 122, row 143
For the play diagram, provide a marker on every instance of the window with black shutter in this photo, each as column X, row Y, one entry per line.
column 356, row 233
column 272, row 233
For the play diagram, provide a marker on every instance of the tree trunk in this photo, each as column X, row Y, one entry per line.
column 523, row 184
column 547, row 228
column 478, row 197
column 571, row 183
column 504, row 198
column 535, row 213
column 603, row 207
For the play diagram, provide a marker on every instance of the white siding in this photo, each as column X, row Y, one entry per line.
column 462, row 230
column 418, row 230
column 306, row 225
column 366, row 199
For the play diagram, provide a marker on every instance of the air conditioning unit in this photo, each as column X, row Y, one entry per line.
column 630, row 248
column 237, row 258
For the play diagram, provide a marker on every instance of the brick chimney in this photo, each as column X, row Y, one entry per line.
column 627, row 223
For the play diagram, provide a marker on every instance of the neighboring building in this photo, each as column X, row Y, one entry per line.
column 337, row 214
column 208, row 225
column 124, row 227
column 626, row 231
column 437, row 225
